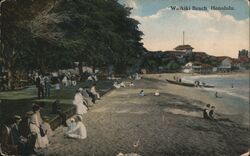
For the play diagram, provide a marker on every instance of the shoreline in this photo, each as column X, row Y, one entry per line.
column 203, row 95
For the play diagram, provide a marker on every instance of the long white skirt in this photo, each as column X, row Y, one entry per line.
column 81, row 109
column 41, row 142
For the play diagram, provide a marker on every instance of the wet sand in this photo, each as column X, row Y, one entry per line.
column 171, row 124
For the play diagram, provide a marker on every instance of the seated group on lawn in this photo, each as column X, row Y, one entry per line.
column 25, row 136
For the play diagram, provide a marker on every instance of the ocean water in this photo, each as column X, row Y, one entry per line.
column 232, row 89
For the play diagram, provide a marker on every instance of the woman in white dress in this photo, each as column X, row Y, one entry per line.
column 79, row 131
column 79, row 103
column 35, row 124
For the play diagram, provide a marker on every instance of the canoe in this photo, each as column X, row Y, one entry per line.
column 187, row 84
column 207, row 86
column 180, row 83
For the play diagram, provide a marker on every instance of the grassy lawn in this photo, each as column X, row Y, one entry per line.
column 19, row 102
column 66, row 94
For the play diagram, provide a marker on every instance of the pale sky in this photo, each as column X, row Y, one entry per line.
column 218, row 33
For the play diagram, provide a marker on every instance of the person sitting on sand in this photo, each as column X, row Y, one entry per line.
column 131, row 84
column 206, row 112
column 211, row 113
column 157, row 93
column 79, row 131
column 79, row 103
column 141, row 93
column 87, row 99
column 116, row 85
column 72, row 124
column 122, row 84
column 93, row 91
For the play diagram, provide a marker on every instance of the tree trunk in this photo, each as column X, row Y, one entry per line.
column 9, row 78
column 93, row 69
column 80, row 69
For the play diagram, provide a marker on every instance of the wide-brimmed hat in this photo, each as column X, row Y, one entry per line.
column 17, row 117
column 72, row 119
column 29, row 113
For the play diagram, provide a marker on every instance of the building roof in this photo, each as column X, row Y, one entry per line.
column 221, row 58
column 184, row 47
column 199, row 53
column 175, row 53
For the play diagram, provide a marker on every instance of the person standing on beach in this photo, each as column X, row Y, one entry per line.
column 216, row 94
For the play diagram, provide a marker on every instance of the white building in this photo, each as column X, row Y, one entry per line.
column 225, row 65
column 197, row 67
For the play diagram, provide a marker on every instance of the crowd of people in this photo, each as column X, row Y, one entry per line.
column 28, row 135
column 69, row 80
column 25, row 136
column 43, row 85
column 35, row 131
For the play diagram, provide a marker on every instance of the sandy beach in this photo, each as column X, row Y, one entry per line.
column 202, row 95
column 171, row 124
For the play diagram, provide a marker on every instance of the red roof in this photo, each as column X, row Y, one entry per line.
column 184, row 47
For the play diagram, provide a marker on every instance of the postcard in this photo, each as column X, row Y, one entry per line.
column 124, row 78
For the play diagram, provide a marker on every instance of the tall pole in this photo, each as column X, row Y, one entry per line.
column 183, row 38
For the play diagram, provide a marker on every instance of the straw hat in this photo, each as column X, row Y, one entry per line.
column 29, row 113
column 72, row 120
column 17, row 117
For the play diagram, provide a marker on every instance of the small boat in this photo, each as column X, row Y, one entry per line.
column 180, row 83
column 208, row 86
column 188, row 84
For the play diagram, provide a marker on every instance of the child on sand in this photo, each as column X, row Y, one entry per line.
column 131, row 84
column 211, row 113
column 206, row 112
column 157, row 93
column 141, row 93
